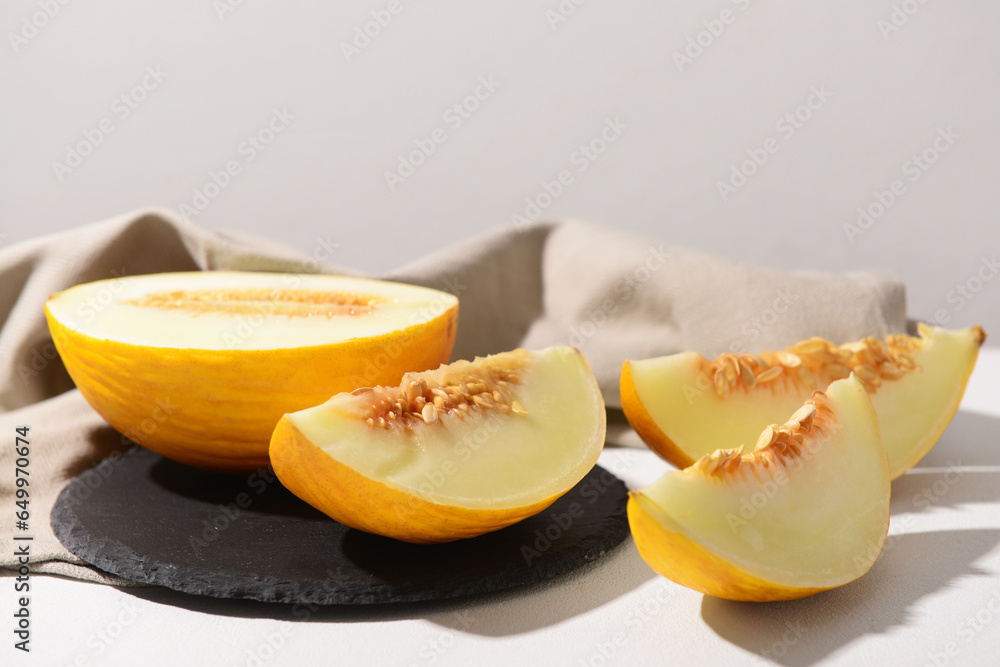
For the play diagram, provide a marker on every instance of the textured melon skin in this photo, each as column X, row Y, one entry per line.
column 215, row 409
column 673, row 407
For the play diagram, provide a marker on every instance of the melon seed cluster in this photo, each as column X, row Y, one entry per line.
column 260, row 300
column 776, row 446
column 464, row 392
column 872, row 360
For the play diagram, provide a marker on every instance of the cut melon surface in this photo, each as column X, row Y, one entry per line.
column 200, row 366
column 806, row 510
column 451, row 453
column 685, row 406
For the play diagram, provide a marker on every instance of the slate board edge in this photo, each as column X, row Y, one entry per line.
column 65, row 526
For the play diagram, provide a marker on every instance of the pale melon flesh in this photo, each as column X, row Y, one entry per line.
column 774, row 523
column 678, row 411
column 514, row 430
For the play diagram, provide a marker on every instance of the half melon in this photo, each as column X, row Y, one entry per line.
column 451, row 453
column 199, row 367
column 806, row 510
column 685, row 406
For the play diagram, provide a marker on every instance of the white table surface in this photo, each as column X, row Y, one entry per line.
column 932, row 598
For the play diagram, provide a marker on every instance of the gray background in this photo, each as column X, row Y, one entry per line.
column 895, row 80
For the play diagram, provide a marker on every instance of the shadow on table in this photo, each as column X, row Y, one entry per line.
column 527, row 609
column 800, row 632
column 971, row 439
column 964, row 467
column 156, row 521
column 298, row 612
column 912, row 565
column 373, row 568
column 538, row 606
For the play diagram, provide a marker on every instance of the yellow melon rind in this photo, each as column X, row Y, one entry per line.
column 673, row 555
column 374, row 507
column 215, row 408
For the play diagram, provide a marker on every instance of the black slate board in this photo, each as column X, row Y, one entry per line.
column 150, row 520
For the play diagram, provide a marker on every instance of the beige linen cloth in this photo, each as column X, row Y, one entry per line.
column 612, row 294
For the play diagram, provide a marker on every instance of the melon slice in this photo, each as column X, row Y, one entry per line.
column 805, row 511
column 685, row 406
column 199, row 367
column 451, row 453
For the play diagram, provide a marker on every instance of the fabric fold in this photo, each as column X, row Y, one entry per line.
column 612, row 294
